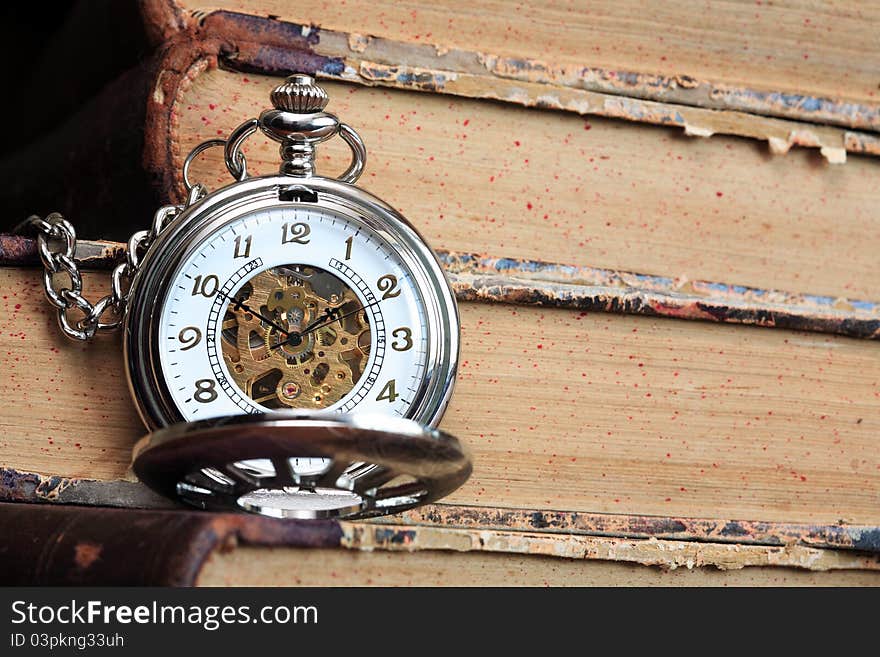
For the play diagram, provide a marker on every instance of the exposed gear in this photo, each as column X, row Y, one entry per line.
column 314, row 371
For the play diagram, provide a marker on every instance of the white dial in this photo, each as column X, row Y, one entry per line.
column 293, row 307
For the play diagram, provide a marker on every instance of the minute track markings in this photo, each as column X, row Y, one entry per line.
column 218, row 365
column 409, row 311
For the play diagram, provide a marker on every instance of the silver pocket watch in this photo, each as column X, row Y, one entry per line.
column 290, row 340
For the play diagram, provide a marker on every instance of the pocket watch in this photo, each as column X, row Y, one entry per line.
column 290, row 340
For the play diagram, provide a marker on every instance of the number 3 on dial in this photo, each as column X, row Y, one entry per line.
column 403, row 334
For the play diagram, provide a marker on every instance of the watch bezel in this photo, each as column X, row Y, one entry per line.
column 150, row 286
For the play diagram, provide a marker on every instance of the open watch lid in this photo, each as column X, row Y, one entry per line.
column 301, row 465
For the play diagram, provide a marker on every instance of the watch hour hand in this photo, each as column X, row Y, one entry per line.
column 240, row 305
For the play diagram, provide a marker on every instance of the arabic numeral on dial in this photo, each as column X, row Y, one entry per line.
column 243, row 247
column 388, row 285
column 205, row 392
column 206, row 286
column 295, row 233
column 189, row 337
column 404, row 334
column 348, row 247
column 388, row 392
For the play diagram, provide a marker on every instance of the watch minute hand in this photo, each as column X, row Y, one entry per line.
column 333, row 318
column 323, row 321
column 329, row 316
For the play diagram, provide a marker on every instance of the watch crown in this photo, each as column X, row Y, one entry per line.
column 299, row 94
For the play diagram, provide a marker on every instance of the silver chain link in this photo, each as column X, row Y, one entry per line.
column 56, row 243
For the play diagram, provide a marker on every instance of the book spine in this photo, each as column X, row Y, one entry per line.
column 72, row 545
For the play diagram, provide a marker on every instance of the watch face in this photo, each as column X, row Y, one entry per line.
column 324, row 302
column 293, row 308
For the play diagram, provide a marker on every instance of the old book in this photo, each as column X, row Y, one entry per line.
column 636, row 452
column 186, row 548
column 780, row 75
column 670, row 425
column 766, row 59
